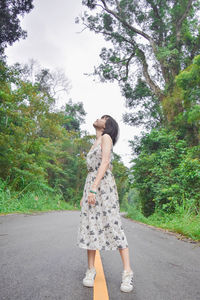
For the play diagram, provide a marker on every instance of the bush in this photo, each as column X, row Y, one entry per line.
column 167, row 173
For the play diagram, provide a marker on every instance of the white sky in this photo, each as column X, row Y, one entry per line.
column 54, row 42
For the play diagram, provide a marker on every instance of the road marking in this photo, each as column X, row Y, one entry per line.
column 100, row 291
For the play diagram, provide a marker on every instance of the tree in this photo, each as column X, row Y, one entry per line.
column 152, row 41
column 182, row 105
column 36, row 150
column 166, row 173
column 10, row 30
column 54, row 83
column 121, row 174
column 74, row 115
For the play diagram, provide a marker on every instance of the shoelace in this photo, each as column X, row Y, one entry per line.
column 90, row 274
column 127, row 278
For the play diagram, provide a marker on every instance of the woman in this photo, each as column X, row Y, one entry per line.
column 100, row 224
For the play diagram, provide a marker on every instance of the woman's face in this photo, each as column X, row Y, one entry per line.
column 101, row 123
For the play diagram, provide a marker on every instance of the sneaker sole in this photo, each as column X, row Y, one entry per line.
column 126, row 291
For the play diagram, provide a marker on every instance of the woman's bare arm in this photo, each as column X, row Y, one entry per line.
column 81, row 202
column 106, row 145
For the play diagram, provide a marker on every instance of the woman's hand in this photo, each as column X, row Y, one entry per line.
column 81, row 201
column 92, row 197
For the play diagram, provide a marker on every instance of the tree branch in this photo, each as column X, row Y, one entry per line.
column 109, row 34
column 155, row 9
column 146, row 36
column 127, row 64
column 151, row 83
column 180, row 21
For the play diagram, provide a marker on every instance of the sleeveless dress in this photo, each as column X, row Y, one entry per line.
column 100, row 225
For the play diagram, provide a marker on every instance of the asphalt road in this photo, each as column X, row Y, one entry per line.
column 39, row 259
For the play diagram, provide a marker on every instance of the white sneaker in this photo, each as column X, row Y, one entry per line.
column 90, row 275
column 127, row 281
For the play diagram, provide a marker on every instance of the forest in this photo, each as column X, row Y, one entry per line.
column 155, row 59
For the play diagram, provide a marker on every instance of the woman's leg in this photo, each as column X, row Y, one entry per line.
column 125, row 258
column 91, row 258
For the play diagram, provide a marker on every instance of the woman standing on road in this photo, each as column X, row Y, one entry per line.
column 100, row 222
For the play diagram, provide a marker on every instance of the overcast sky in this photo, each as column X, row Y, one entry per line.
column 53, row 40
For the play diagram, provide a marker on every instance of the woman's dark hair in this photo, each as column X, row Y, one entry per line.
column 111, row 128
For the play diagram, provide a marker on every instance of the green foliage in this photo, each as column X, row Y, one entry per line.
column 179, row 222
column 182, row 107
column 37, row 152
column 150, row 113
column 30, row 201
column 189, row 81
column 107, row 22
column 167, row 55
column 74, row 114
column 10, row 29
column 121, row 175
column 167, row 173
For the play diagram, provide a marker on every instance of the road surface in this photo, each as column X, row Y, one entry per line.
column 39, row 259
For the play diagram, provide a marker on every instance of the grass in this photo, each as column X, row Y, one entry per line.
column 182, row 223
column 31, row 202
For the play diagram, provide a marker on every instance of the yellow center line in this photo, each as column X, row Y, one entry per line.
column 100, row 291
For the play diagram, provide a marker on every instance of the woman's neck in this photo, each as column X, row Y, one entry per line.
column 98, row 134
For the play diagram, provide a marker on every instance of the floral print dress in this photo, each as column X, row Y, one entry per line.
column 100, row 225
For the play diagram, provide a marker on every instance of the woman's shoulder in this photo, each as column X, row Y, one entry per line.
column 106, row 138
